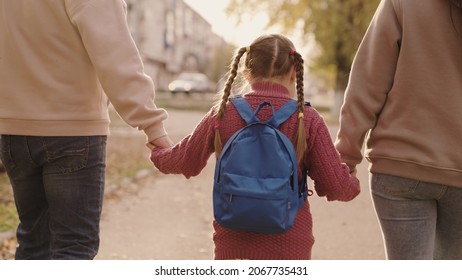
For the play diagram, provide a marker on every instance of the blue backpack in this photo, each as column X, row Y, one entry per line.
column 256, row 183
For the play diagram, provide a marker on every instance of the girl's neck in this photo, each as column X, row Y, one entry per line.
column 287, row 83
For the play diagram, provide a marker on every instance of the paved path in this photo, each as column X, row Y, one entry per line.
column 167, row 217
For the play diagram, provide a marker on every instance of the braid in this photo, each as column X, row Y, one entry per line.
column 300, row 87
column 229, row 83
column 226, row 93
column 301, row 133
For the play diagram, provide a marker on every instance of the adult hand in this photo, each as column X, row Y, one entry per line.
column 163, row 142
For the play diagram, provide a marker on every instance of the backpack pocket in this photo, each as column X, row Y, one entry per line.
column 268, row 204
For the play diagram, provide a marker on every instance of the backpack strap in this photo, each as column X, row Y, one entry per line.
column 283, row 113
column 245, row 111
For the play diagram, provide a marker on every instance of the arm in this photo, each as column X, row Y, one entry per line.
column 331, row 177
column 190, row 155
column 371, row 79
column 105, row 34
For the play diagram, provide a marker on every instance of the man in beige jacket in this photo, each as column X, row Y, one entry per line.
column 61, row 63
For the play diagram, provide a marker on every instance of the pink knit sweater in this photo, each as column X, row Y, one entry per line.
column 330, row 176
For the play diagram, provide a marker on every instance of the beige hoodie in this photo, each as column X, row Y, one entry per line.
column 61, row 59
column 405, row 93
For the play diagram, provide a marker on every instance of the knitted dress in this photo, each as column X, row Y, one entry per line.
column 331, row 177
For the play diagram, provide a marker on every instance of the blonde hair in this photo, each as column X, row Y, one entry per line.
column 267, row 57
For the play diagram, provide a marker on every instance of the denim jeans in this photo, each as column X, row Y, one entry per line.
column 58, row 186
column 419, row 220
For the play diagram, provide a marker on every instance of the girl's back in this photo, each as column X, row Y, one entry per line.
column 305, row 128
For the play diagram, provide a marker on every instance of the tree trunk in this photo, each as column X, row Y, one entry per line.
column 343, row 70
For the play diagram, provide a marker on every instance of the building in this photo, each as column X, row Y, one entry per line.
column 172, row 38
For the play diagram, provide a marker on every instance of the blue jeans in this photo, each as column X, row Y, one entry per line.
column 419, row 220
column 58, row 186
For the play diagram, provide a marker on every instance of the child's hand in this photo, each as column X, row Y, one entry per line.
column 353, row 171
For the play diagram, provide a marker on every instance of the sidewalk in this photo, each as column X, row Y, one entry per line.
column 347, row 230
column 169, row 218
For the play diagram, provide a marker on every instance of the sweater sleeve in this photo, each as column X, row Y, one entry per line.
column 331, row 177
column 371, row 79
column 191, row 154
column 104, row 30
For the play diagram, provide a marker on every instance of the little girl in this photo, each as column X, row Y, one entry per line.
column 274, row 71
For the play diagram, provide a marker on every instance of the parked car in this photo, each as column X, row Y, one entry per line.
column 190, row 82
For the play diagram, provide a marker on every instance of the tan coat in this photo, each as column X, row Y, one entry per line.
column 405, row 93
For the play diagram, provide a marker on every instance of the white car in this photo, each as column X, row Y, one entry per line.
column 190, row 82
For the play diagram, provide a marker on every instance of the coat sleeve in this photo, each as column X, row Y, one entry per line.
column 371, row 79
column 331, row 177
column 105, row 34
column 191, row 154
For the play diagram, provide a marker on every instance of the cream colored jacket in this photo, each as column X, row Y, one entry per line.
column 405, row 93
column 60, row 63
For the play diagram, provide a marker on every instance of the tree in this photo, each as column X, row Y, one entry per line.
column 337, row 26
column 222, row 58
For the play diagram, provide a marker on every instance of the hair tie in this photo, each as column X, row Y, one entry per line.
column 300, row 115
column 292, row 52
column 247, row 49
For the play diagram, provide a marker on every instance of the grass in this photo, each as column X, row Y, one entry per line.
column 193, row 102
column 8, row 215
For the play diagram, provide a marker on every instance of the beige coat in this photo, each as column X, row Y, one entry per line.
column 405, row 93
column 61, row 61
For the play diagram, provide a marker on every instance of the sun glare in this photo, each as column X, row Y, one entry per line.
column 226, row 26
